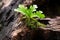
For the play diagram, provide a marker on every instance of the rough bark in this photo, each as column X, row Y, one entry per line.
column 9, row 23
column 8, row 18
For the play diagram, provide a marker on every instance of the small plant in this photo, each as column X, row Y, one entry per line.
column 30, row 14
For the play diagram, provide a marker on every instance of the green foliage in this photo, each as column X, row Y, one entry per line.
column 30, row 14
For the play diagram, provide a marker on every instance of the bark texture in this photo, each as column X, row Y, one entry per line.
column 12, row 29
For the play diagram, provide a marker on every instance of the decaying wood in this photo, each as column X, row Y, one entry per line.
column 8, row 18
column 13, row 29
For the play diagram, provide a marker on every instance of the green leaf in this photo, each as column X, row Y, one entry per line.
column 21, row 6
column 21, row 9
column 33, row 15
column 40, row 15
column 29, row 14
column 33, row 8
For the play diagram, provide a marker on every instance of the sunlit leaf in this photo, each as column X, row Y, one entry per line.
column 29, row 14
column 40, row 15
